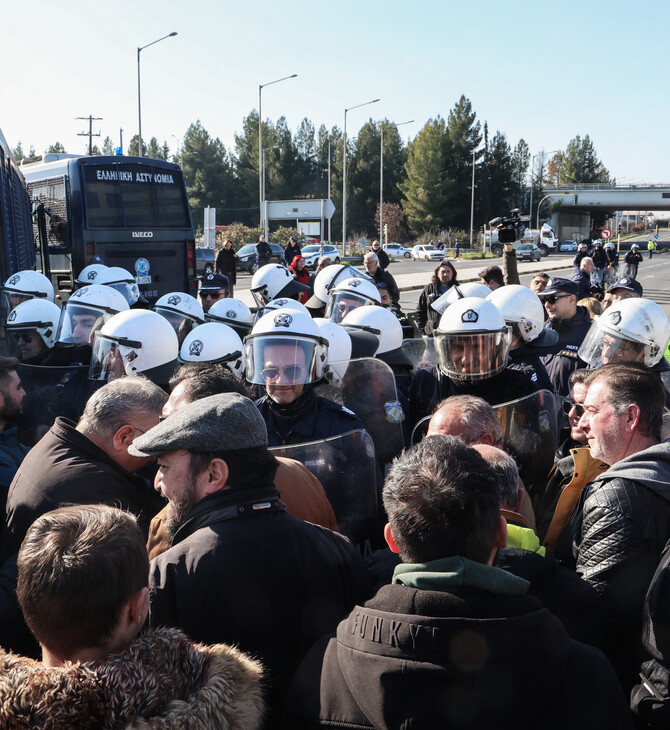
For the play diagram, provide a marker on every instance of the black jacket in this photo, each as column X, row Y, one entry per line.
column 384, row 277
column 383, row 258
column 243, row 571
column 599, row 257
column 619, row 537
column 225, row 264
column 263, row 253
column 290, row 252
column 430, row 386
column 471, row 659
column 562, row 358
column 633, row 258
column 526, row 359
column 66, row 468
column 428, row 318
column 583, row 281
column 319, row 419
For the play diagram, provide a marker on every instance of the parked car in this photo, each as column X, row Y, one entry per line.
column 426, row 253
column 312, row 253
column 247, row 257
column 204, row 260
column 528, row 252
column 568, row 245
column 397, row 251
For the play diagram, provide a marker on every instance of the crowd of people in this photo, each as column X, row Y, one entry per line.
column 315, row 513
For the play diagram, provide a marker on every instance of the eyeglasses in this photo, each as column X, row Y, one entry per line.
column 568, row 405
column 209, row 294
column 25, row 335
column 293, row 372
column 554, row 299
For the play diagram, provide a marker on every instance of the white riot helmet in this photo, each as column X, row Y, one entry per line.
column 472, row 340
column 339, row 349
column 26, row 285
column 460, row 291
column 385, row 325
column 281, row 303
column 232, row 312
column 285, row 347
column 182, row 311
column 86, row 311
column 635, row 330
column 89, row 275
column 272, row 281
column 216, row 343
column 121, row 280
column 38, row 315
column 134, row 342
column 348, row 295
column 634, row 247
column 328, row 278
column 523, row 310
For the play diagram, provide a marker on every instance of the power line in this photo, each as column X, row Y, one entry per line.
column 90, row 134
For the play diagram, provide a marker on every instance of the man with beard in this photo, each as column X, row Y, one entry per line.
column 11, row 451
column 241, row 569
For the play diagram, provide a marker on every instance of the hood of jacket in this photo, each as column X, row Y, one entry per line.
column 163, row 680
column 650, row 467
column 457, row 657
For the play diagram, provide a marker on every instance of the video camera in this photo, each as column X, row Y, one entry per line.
column 510, row 228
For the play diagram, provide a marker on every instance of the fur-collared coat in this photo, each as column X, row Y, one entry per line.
column 163, row 680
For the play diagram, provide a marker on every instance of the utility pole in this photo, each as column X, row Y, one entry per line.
column 90, row 133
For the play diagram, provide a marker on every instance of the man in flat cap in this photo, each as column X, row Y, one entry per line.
column 572, row 322
column 240, row 568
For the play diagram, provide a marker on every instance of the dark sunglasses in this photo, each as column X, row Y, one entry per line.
column 25, row 335
column 554, row 299
column 568, row 405
column 211, row 294
column 293, row 373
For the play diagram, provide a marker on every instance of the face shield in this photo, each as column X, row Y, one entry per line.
column 279, row 361
column 473, row 356
column 113, row 357
column 601, row 347
column 79, row 322
column 129, row 290
column 181, row 323
column 11, row 299
column 340, row 303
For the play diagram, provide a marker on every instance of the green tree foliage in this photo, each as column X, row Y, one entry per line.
column 56, row 147
column 108, row 146
column 521, row 158
column 207, row 171
column 580, row 164
column 464, row 134
column 427, row 188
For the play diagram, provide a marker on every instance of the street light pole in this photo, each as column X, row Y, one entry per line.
column 381, row 179
column 344, row 174
column 532, row 165
column 472, row 199
column 139, row 97
column 261, row 192
column 330, row 220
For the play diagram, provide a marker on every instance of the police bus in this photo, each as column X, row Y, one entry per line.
column 132, row 212
column 17, row 250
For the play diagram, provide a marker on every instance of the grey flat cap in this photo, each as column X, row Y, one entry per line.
column 224, row 422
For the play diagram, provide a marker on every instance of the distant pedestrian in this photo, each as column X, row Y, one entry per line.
column 651, row 247
column 263, row 251
column 226, row 261
column 381, row 255
column 292, row 250
column 632, row 260
column 458, row 249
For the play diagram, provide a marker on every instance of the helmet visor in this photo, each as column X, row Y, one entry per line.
column 113, row 357
column 340, row 303
column 181, row 323
column 287, row 361
column 601, row 348
column 78, row 323
column 473, row 356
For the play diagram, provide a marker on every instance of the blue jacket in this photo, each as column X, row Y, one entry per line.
column 11, row 456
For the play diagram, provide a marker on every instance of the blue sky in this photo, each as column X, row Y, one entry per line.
column 542, row 71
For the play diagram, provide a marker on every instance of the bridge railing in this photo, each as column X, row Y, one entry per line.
column 604, row 186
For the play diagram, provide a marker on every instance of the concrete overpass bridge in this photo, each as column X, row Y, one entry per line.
column 579, row 202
